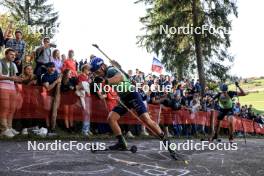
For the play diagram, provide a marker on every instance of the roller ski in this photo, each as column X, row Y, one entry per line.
column 215, row 138
column 118, row 147
column 174, row 154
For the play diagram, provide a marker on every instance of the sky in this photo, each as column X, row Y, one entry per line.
column 247, row 39
column 114, row 25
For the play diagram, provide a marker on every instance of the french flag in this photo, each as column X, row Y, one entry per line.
column 156, row 66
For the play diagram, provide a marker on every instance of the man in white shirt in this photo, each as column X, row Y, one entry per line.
column 8, row 95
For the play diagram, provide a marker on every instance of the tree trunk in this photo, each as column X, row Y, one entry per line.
column 27, row 9
column 198, row 49
column 179, row 70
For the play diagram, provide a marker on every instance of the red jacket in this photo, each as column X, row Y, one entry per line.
column 70, row 64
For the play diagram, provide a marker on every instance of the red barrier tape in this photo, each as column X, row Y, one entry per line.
column 34, row 102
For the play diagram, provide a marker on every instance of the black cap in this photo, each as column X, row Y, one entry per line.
column 50, row 64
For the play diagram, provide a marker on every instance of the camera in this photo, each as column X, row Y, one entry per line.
column 52, row 45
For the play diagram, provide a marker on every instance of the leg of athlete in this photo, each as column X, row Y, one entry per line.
column 231, row 128
column 221, row 116
column 217, row 131
column 151, row 124
column 154, row 128
column 113, row 118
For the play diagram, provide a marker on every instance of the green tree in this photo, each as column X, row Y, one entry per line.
column 32, row 40
column 39, row 14
column 205, row 51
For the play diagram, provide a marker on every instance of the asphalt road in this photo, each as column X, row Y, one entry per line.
column 16, row 159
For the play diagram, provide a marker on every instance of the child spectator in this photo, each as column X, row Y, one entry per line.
column 82, row 88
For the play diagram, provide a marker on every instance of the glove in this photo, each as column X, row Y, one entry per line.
column 236, row 83
column 98, row 80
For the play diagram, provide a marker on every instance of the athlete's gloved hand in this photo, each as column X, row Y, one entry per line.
column 98, row 80
column 237, row 84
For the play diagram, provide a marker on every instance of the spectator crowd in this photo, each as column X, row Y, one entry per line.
column 49, row 68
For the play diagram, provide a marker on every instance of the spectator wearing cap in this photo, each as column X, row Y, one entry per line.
column 49, row 81
column 70, row 64
column 43, row 56
column 19, row 46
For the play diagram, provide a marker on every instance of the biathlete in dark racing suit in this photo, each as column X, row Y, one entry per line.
column 129, row 97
